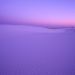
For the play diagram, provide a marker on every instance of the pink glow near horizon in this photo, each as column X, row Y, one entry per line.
column 38, row 12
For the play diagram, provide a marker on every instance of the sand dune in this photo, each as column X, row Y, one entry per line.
column 29, row 50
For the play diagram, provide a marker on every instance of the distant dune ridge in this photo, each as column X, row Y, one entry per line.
column 49, row 26
column 36, row 28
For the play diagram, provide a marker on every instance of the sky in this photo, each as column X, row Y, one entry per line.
column 45, row 12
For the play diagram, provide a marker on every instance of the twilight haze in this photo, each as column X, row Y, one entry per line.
column 38, row 12
column 27, row 49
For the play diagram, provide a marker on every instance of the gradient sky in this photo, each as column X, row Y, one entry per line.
column 57, row 12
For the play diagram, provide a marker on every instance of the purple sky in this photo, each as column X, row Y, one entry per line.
column 57, row 12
